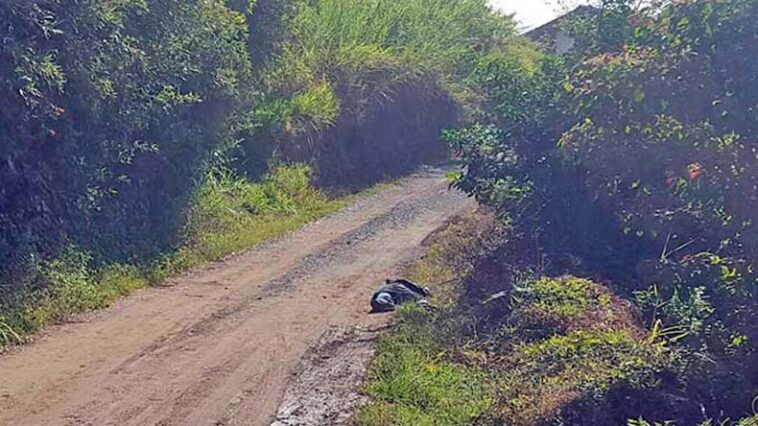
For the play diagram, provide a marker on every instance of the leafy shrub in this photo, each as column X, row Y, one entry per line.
column 107, row 102
column 565, row 348
column 549, row 306
column 638, row 165
column 668, row 148
column 545, row 381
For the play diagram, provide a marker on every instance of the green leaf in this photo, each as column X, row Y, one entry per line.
column 639, row 95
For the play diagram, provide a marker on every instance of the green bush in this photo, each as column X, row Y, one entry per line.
column 103, row 103
column 565, row 348
column 673, row 159
column 638, row 164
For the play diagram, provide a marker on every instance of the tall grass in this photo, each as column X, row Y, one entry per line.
column 364, row 48
column 438, row 36
column 230, row 213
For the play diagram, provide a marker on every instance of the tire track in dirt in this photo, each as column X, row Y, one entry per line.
column 326, row 385
column 219, row 346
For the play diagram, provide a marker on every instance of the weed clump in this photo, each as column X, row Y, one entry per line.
column 549, row 306
column 566, row 341
column 543, row 380
column 413, row 382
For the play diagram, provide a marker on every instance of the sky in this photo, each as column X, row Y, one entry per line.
column 530, row 13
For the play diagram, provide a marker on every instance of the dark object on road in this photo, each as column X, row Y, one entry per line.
column 397, row 292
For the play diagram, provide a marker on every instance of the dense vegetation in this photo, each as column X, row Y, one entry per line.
column 631, row 161
column 133, row 130
column 616, row 282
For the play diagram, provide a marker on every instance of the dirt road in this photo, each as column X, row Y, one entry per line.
column 219, row 346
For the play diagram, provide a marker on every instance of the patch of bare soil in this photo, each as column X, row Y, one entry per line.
column 221, row 345
column 326, row 389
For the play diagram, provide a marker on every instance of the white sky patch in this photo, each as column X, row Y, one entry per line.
column 529, row 13
column 533, row 13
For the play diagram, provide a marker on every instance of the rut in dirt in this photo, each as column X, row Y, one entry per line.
column 221, row 345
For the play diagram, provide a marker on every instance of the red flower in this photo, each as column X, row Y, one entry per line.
column 695, row 171
column 52, row 133
column 59, row 111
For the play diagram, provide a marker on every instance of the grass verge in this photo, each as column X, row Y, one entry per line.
column 412, row 380
column 228, row 214
column 548, row 351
